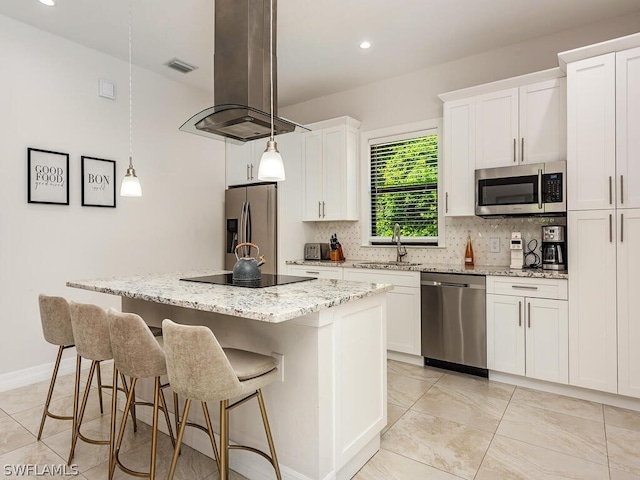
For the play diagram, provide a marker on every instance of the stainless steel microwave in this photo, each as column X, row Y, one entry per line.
column 522, row 190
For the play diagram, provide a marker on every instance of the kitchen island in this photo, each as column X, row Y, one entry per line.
column 327, row 412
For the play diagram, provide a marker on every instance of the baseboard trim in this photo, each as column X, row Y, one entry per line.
column 41, row 373
column 405, row 357
column 568, row 390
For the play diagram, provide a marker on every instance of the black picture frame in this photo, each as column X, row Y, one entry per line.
column 98, row 182
column 47, row 177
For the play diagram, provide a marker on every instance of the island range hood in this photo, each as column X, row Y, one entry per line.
column 241, row 85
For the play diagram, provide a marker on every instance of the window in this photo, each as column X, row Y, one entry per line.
column 404, row 175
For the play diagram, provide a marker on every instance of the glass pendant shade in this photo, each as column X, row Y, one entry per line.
column 271, row 168
column 130, row 186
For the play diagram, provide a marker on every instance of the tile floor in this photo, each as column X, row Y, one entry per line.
column 441, row 426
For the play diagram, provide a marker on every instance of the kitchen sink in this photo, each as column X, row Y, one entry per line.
column 398, row 264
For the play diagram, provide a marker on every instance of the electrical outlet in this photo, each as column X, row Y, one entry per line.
column 280, row 358
column 495, row 245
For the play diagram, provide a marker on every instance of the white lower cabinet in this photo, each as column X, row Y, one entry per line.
column 403, row 306
column 527, row 327
column 333, row 273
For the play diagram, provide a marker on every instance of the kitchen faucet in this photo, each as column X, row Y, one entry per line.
column 400, row 250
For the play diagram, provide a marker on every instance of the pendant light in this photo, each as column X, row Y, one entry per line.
column 271, row 167
column 130, row 186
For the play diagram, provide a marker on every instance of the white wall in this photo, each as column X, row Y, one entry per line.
column 48, row 100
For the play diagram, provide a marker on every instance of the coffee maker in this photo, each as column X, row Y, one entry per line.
column 554, row 248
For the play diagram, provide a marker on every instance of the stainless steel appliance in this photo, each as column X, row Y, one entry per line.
column 453, row 321
column 536, row 189
column 316, row 251
column 251, row 216
column 554, row 248
column 267, row 280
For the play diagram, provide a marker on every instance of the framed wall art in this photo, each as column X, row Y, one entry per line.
column 98, row 182
column 47, row 177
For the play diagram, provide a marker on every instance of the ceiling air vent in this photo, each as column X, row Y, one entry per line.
column 180, row 65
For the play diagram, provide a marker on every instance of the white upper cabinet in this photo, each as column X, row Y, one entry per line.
column 628, row 128
column 330, row 158
column 591, row 134
column 459, row 156
column 497, row 129
column 242, row 161
column 522, row 125
column 543, row 121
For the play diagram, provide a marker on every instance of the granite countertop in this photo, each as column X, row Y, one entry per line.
column 425, row 267
column 271, row 304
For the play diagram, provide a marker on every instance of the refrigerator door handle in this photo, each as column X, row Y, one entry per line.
column 248, row 220
column 241, row 238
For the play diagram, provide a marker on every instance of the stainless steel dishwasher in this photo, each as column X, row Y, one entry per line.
column 454, row 321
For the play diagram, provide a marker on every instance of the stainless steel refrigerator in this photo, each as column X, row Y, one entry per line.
column 251, row 216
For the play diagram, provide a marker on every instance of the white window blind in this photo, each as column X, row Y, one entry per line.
column 404, row 187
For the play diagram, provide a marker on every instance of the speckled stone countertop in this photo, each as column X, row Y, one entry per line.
column 272, row 304
column 477, row 270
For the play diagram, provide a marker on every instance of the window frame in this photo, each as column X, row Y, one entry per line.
column 399, row 133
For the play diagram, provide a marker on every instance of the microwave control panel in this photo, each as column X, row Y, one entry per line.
column 552, row 188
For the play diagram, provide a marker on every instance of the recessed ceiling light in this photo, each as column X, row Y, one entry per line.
column 48, row 3
column 363, row 45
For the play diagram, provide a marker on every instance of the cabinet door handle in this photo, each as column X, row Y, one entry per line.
column 519, row 314
column 528, row 315
column 322, row 209
column 610, row 228
column 621, row 189
column 522, row 150
column 312, row 273
column 248, row 172
column 524, row 287
column 446, row 202
column 319, row 215
column 610, row 192
column 252, row 171
column 621, row 227
column 515, row 143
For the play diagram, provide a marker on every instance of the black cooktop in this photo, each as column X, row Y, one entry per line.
column 267, row 280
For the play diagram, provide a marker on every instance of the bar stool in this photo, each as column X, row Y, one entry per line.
column 200, row 369
column 91, row 334
column 56, row 327
column 137, row 353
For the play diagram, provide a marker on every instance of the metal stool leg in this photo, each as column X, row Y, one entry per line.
column 46, row 413
column 207, row 418
column 76, row 394
column 100, row 389
column 224, row 440
column 112, row 431
column 176, row 450
column 267, row 430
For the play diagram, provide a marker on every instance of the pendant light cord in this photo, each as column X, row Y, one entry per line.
column 271, row 63
column 130, row 93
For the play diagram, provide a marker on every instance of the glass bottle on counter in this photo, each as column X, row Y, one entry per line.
column 468, row 252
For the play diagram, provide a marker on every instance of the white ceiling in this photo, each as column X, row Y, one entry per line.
column 318, row 40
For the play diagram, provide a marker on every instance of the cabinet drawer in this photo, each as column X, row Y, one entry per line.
column 333, row 273
column 395, row 277
column 528, row 287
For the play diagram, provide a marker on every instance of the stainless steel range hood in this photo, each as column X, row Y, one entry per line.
column 241, row 85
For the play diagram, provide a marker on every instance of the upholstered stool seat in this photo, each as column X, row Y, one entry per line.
column 138, row 354
column 200, row 369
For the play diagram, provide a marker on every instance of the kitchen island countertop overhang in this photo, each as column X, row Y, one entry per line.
column 272, row 304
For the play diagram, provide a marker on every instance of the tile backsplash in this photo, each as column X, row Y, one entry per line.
column 456, row 231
